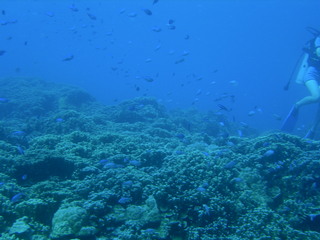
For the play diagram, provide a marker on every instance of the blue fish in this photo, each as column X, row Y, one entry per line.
column 68, row 58
column 18, row 133
column 17, row 197
column 124, row 200
column 230, row 164
column 201, row 189
column 74, row 8
column 2, row 52
column 268, row 153
column 135, row 163
column 91, row 16
column 50, row 14
column 147, row 11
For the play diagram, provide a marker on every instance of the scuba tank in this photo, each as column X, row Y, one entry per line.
column 307, row 58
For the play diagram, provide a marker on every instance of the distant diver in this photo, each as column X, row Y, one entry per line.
column 306, row 72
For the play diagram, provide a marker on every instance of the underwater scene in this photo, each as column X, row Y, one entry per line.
column 159, row 119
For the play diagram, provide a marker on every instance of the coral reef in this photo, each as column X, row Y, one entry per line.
column 74, row 168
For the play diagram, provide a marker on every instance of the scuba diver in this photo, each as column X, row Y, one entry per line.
column 307, row 74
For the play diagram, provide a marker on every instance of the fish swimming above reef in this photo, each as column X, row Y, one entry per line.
column 148, row 79
column 73, row 8
column 68, row 58
column 91, row 16
column 124, row 200
column 224, row 108
column 147, row 11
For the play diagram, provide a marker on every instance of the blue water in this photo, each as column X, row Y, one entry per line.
column 241, row 48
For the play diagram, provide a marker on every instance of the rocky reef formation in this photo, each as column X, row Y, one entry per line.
column 72, row 168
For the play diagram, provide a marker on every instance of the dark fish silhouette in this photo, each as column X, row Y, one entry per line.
column 91, row 16
column 147, row 11
column 224, row 108
column 68, row 58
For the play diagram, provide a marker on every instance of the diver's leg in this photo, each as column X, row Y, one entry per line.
column 311, row 133
column 292, row 118
column 313, row 87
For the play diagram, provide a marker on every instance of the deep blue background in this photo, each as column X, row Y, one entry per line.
column 244, row 48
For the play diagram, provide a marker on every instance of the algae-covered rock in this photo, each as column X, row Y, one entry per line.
column 21, row 228
column 67, row 222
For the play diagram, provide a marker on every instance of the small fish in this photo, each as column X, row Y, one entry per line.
column 124, row 200
column 171, row 21
column 157, row 47
column 237, row 179
column 201, row 189
column 155, row 1
column 149, row 231
column 112, row 165
column 132, row 14
column 122, row 11
column 104, row 161
column 68, row 58
column 17, row 197
column 50, row 14
column 180, row 135
column 24, row 177
column 198, row 92
column 251, row 113
column 73, row 8
column 148, row 79
column 59, row 120
column 18, row 133
column 268, row 153
column 185, row 53
column 147, row 11
column 2, row 52
column 156, row 29
column 3, row 12
column 224, row 108
column 91, row 16
column 171, row 27
column 230, row 164
column 179, row 61
column 135, row 163
column 233, row 83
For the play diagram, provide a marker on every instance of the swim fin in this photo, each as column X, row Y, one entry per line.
column 310, row 134
column 291, row 120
